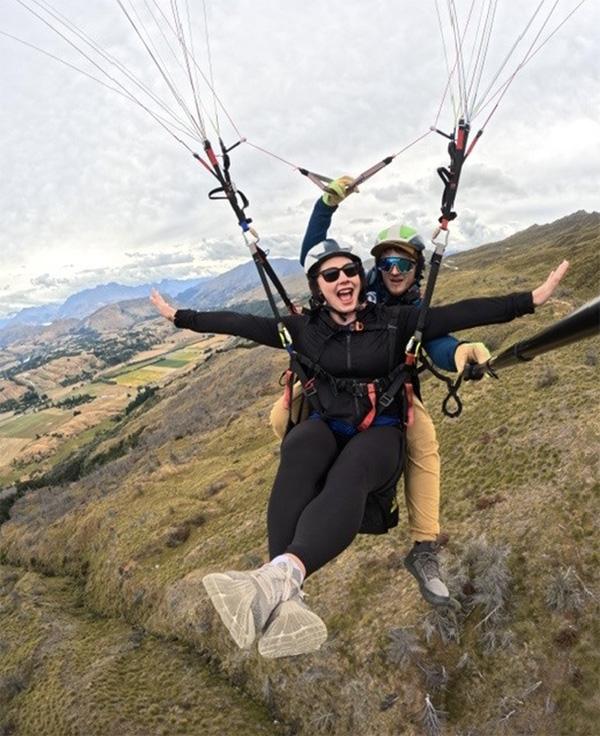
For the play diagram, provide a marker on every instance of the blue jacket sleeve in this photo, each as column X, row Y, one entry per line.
column 441, row 351
column 317, row 227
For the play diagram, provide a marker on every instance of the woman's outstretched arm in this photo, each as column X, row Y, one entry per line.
column 488, row 310
column 262, row 330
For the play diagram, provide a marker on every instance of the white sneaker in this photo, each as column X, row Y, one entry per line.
column 245, row 600
column 291, row 630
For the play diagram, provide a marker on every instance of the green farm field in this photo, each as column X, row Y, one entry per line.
column 28, row 425
column 19, row 434
column 170, row 363
column 159, row 368
column 142, row 376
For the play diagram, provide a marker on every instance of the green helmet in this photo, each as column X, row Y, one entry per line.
column 400, row 236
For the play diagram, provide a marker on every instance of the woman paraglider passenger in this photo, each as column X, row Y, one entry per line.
column 334, row 465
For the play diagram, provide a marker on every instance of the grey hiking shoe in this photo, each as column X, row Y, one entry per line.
column 245, row 600
column 422, row 562
column 292, row 629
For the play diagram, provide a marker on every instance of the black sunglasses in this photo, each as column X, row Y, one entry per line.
column 332, row 274
column 404, row 265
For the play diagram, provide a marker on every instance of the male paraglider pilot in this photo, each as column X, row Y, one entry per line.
column 396, row 279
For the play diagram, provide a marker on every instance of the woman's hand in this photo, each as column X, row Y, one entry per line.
column 545, row 291
column 163, row 307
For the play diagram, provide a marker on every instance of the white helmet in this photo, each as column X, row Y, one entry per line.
column 324, row 250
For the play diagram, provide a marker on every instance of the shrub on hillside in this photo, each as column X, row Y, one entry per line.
column 479, row 577
column 11, row 685
column 548, row 376
column 70, row 380
column 324, row 721
column 144, row 393
column 28, row 400
column 435, row 676
column 431, row 718
column 444, row 622
column 72, row 401
column 565, row 592
column 9, row 405
column 403, row 648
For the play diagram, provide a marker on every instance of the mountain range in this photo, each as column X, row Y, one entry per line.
column 87, row 301
column 199, row 293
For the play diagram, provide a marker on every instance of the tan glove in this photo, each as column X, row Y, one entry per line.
column 338, row 193
column 470, row 352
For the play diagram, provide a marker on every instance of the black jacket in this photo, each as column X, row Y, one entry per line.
column 349, row 353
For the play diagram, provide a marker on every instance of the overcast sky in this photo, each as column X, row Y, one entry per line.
column 94, row 190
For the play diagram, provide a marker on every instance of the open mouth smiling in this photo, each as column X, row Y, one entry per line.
column 345, row 294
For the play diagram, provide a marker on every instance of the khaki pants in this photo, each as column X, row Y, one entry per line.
column 421, row 472
column 422, row 476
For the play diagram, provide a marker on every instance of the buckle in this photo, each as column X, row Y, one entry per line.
column 385, row 400
column 309, row 388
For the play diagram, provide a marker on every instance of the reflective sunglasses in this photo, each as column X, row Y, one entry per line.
column 404, row 265
column 332, row 274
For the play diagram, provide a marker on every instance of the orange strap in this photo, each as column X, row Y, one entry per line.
column 287, row 391
column 410, row 411
column 368, row 420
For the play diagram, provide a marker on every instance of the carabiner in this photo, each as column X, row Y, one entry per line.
column 443, row 244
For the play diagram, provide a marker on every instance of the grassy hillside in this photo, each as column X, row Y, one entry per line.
column 66, row 670
column 180, row 489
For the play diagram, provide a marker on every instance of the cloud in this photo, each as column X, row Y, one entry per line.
column 107, row 181
column 362, row 221
column 278, row 245
column 394, row 193
column 158, row 260
column 305, row 205
column 282, row 246
column 490, row 181
column 48, row 281
column 469, row 231
column 216, row 249
column 96, row 274
column 20, row 299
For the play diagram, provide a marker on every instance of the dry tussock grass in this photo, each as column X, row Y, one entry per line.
column 532, row 448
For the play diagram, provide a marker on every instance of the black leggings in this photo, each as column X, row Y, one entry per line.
column 321, row 488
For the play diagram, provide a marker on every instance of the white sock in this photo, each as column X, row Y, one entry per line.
column 297, row 573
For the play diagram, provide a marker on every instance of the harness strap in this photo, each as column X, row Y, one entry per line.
column 450, row 177
column 393, row 383
column 410, row 404
column 287, row 391
column 371, row 414
column 409, row 391
column 275, row 280
column 239, row 202
column 308, row 384
column 381, row 392
column 397, row 379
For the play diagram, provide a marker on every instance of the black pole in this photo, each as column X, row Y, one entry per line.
column 584, row 322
